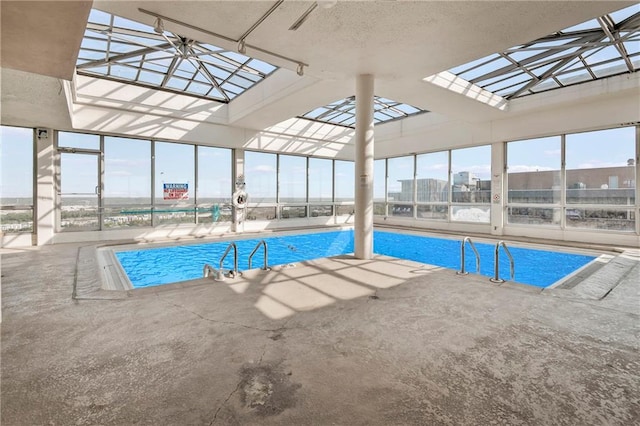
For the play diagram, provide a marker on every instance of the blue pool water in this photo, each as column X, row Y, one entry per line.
column 165, row 265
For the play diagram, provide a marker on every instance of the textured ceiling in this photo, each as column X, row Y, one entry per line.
column 399, row 42
column 390, row 39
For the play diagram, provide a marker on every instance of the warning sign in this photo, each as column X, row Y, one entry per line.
column 176, row 191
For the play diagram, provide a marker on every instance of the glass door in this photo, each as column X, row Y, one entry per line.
column 80, row 192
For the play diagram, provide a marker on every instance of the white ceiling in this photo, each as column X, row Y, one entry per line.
column 399, row 42
column 389, row 39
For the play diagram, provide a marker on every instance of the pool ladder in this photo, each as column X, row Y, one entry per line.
column 265, row 266
column 496, row 278
column 219, row 274
column 462, row 270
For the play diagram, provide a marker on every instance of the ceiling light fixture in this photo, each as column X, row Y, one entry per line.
column 242, row 47
column 300, row 70
column 158, row 26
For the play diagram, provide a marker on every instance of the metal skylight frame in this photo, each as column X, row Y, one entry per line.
column 119, row 49
column 601, row 47
column 343, row 112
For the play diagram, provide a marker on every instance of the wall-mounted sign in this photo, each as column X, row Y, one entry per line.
column 175, row 191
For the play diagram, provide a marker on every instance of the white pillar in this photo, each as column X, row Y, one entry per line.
column 237, row 171
column 363, row 220
column 45, row 203
column 498, row 191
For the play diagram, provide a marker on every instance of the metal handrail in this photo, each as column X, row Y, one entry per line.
column 462, row 257
column 207, row 270
column 235, row 259
column 266, row 255
column 496, row 278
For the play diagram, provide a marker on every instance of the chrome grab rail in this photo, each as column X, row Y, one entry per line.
column 235, row 259
column 496, row 278
column 208, row 270
column 266, row 255
column 462, row 257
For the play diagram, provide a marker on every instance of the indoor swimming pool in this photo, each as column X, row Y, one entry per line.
column 164, row 265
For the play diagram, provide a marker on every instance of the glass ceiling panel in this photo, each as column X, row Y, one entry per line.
column 598, row 48
column 343, row 112
column 120, row 49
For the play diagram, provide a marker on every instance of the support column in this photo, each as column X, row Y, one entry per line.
column 238, row 184
column 498, row 192
column 46, row 187
column 363, row 220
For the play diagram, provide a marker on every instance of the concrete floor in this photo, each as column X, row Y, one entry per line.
column 335, row 342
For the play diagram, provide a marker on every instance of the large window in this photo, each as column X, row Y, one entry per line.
column 214, row 184
column 471, row 184
column 127, row 182
column 320, row 180
column 600, row 179
column 447, row 185
column 16, row 179
column 596, row 189
column 292, row 179
column 534, row 181
column 344, row 186
column 432, row 185
column 174, row 183
column 400, row 186
column 379, row 187
column 260, row 177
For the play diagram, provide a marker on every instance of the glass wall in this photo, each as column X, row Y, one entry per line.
column 534, row 181
column 471, row 184
column 174, row 183
column 448, row 185
column 214, row 184
column 16, row 179
column 400, row 184
column 379, row 187
column 80, row 195
column 260, row 177
column 127, row 182
column 432, row 185
column 595, row 190
column 320, row 187
column 344, row 179
column 292, row 179
column 600, row 179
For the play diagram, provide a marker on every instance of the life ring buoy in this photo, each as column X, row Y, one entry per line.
column 239, row 199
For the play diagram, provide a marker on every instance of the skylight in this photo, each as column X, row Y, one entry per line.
column 601, row 47
column 343, row 112
column 120, row 49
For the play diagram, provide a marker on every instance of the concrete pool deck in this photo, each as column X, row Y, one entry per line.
column 336, row 341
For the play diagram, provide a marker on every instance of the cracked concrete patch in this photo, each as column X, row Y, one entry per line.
column 267, row 389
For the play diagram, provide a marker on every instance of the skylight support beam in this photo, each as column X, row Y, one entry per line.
column 137, row 53
column 212, row 80
column 548, row 73
column 595, row 49
column 607, row 24
column 175, row 63
column 121, row 57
